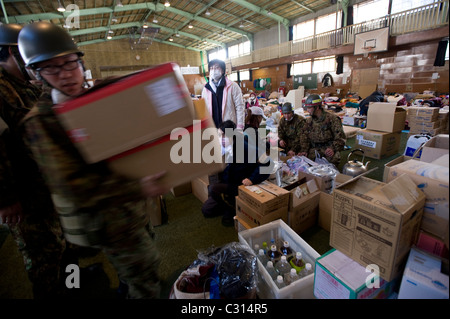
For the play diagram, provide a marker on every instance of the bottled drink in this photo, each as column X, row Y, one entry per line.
column 280, row 282
column 282, row 266
column 306, row 271
column 256, row 248
column 264, row 246
column 271, row 270
column 291, row 277
column 274, row 254
column 262, row 257
column 286, row 250
column 297, row 262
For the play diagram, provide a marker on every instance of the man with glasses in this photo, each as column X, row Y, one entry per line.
column 26, row 206
column 223, row 97
column 97, row 207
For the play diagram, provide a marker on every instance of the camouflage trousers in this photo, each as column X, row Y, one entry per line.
column 41, row 242
column 335, row 159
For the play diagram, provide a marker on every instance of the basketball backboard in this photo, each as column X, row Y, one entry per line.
column 371, row 41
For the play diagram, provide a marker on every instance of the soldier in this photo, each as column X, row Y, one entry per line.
column 322, row 132
column 289, row 130
column 25, row 202
column 97, row 207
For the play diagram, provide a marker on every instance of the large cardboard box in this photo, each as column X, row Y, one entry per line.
column 436, row 147
column 304, row 206
column 422, row 114
column 264, row 197
column 180, row 155
column 385, row 117
column 432, row 244
column 199, row 187
column 433, row 180
column 339, row 277
column 376, row 223
column 423, row 277
column 377, row 144
column 253, row 218
column 395, row 161
column 134, row 110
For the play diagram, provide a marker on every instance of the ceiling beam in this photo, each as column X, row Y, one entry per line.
column 302, row 6
column 262, row 11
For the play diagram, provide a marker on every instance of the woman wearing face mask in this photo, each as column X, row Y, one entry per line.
column 223, row 97
column 252, row 101
column 289, row 130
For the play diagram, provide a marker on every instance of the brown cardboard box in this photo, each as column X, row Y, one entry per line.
column 163, row 154
column 254, row 218
column 125, row 114
column 376, row 223
column 240, row 225
column 378, row 145
column 182, row 189
column 436, row 147
column 304, row 215
column 385, row 117
column 422, row 114
column 433, row 181
column 395, row 161
column 264, row 197
column 200, row 189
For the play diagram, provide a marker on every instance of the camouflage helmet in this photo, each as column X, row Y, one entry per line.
column 286, row 108
column 41, row 41
column 313, row 100
column 9, row 33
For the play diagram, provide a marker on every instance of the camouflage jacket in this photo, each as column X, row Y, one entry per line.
column 89, row 190
column 322, row 133
column 290, row 132
column 20, row 179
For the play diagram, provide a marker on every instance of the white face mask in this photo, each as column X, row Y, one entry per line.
column 216, row 75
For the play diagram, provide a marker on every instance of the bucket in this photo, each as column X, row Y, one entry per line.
column 327, row 174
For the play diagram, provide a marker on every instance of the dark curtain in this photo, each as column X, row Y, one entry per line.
column 250, row 75
column 288, row 73
column 440, row 54
column 349, row 16
column 340, row 64
column 291, row 33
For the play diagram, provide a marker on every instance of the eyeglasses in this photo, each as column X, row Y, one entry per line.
column 55, row 69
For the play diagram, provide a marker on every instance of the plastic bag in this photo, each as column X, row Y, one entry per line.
column 236, row 270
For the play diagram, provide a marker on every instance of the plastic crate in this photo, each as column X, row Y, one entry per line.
column 266, row 288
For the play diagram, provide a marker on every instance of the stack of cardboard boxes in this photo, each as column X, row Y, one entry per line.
column 424, row 120
column 381, row 137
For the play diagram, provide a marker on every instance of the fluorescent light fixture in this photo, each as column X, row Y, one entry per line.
column 60, row 7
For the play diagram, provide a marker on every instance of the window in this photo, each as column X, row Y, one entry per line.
column 328, row 23
column 239, row 49
column 303, row 30
column 244, row 75
column 233, row 76
column 220, row 54
column 301, row 67
column 403, row 5
column 370, row 10
column 325, row 64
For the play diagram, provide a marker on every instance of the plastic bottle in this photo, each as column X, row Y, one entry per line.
column 306, row 271
column 286, row 249
column 271, row 270
column 297, row 262
column 262, row 257
column 282, row 266
column 256, row 249
column 291, row 277
column 264, row 246
column 280, row 282
column 274, row 254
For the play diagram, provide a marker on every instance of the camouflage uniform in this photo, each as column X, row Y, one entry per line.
column 290, row 131
column 322, row 133
column 107, row 209
column 39, row 234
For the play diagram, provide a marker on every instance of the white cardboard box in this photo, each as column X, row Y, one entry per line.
column 422, row 278
column 266, row 289
column 337, row 276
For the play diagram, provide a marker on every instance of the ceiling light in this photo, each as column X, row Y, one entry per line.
column 109, row 37
column 177, row 34
column 170, row 39
column 145, row 26
column 208, row 13
column 110, row 31
column 190, row 26
column 155, row 20
column 269, row 12
column 60, row 7
column 119, row 3
column 241, row 25
column 113, row 19
column 167, row 4
column 205, row 42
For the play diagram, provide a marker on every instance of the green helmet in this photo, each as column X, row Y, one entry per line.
column 313, row 100
column 286, row 108
column 41, row 41
column 9, row 33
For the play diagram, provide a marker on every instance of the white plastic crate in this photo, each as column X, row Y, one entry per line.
column 278, row 229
